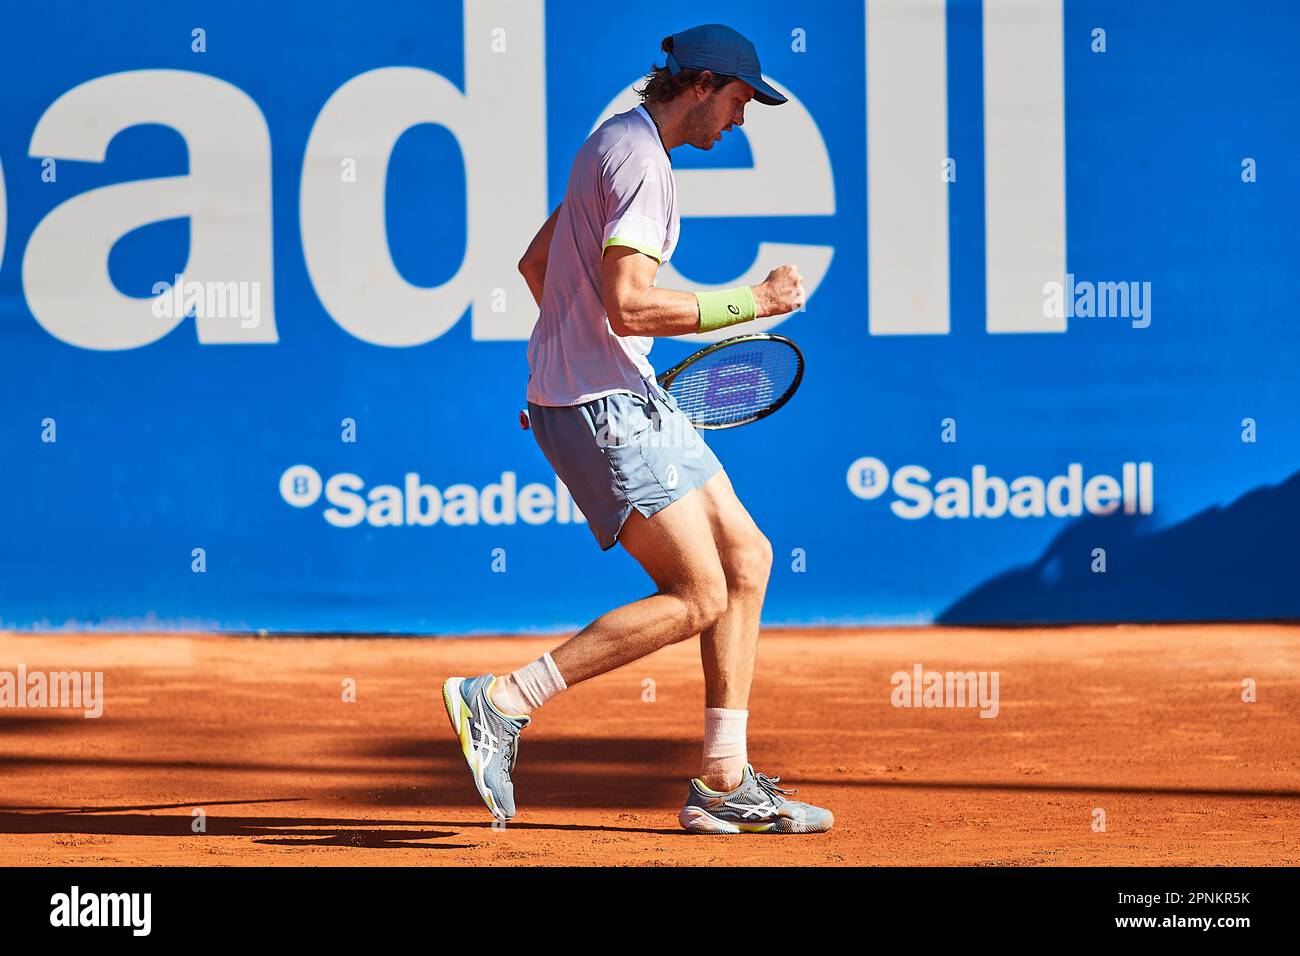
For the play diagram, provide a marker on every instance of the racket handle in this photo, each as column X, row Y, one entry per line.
column 523, row 419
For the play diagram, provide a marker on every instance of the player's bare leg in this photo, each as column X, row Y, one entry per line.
column 676, row 548
column 729, row 647
column 729, row 795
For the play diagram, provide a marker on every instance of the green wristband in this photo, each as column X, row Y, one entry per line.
column 720, row 309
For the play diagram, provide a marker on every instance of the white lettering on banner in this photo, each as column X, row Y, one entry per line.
column 415, row 504
column 791, row 176
column 499, row 118
column 226, row 196
column 4, row 208
column 989, row 496
column 1024, row 164
column 907, row 136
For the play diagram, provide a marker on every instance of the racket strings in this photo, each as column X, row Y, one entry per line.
column 735, row 384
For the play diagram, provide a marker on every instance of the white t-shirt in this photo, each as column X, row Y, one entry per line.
column 621, row 192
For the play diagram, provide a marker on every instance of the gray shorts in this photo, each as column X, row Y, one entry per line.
column 620, row 452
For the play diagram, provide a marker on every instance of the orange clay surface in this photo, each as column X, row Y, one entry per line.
column 1144, row 723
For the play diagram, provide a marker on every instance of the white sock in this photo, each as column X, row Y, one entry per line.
column 725, row 753
column 539, row 681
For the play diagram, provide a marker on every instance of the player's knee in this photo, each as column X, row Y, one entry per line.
column 751, row 565
column 709, row 603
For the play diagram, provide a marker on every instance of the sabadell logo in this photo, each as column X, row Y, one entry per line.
column 414, row 503
column 980, row 495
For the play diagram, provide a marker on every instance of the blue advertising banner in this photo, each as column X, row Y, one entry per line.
column 262, row 336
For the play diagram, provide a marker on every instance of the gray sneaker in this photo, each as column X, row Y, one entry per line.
column 489, row 739
column 758, row 805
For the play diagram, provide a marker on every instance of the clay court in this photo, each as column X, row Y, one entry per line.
column 1146, row 723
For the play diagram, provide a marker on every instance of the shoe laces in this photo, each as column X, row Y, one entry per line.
column 512, row 753
column 769, row 785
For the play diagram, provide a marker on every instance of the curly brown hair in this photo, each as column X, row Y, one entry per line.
column 661, row 85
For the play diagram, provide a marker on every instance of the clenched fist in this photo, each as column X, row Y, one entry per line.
column 781, row 292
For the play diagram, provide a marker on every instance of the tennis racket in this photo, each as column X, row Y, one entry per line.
column 733, row 382
column 736, row 381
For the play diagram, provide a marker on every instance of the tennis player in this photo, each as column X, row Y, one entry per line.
column 601, row 420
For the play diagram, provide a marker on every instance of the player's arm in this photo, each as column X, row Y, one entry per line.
column 636, row 306
column 633, row 303
column 533, row 265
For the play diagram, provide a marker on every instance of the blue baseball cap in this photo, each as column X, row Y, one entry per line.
column 722, row 50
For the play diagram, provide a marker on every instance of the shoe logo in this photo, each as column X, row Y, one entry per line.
column 484, row 743
column 753, row 809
